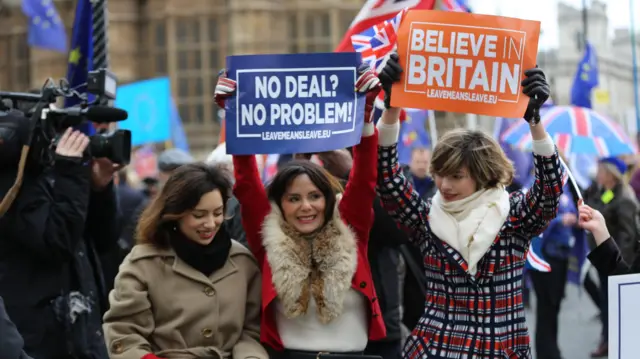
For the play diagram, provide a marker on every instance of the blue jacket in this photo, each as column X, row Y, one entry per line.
column 558, row 239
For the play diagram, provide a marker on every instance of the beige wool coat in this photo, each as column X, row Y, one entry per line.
column 163, row 306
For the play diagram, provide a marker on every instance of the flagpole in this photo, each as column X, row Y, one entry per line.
column 100, row 36
column 585, row 24
column 635, row 66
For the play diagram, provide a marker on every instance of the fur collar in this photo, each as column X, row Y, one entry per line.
column 321, row 265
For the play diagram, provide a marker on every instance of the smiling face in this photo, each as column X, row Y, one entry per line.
column 203, row 222
column 303, row 205
column 458, row 186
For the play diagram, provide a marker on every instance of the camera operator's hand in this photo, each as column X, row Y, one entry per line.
column 72, row 144
column 102, row 173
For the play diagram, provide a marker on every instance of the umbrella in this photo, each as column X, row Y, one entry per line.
column 522, row 161
column 575, row 130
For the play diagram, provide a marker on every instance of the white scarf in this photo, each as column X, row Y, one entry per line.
column 471, row 224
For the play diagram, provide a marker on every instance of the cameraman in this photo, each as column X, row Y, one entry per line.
column 50, row 277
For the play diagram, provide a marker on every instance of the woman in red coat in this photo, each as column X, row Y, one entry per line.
column 310, row 239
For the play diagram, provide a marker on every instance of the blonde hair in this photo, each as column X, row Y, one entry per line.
column 478, row 152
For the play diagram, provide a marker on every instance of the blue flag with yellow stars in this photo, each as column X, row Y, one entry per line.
column 46, row 30
column 413, row 134
column 586, row 78
column 81, row 55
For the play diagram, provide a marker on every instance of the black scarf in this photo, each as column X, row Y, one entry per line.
column 204, row 258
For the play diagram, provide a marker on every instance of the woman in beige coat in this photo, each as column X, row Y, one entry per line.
column 186, row 290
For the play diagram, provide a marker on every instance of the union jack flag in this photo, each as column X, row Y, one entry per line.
column 455, row 5
column 376, row 11
column 535, row 258
column 377, row 42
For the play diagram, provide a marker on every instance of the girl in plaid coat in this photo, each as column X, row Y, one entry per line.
column 472, row 234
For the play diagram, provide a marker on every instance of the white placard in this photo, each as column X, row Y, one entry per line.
column 624, row 316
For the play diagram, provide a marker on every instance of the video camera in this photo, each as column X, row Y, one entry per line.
column 31, row 125
column 33, row 119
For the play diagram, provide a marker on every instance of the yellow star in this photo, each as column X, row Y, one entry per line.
column 74, row 56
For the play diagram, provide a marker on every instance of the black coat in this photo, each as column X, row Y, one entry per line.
column 49, row 247
column 11, row 342
column 608, row 259
column 384, row 257
column 129, row 199
column 620, row 215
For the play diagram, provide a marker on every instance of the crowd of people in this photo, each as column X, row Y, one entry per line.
column 368, row 259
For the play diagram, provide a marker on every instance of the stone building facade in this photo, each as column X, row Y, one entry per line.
column 189, row 40
column 615, row 93
column 186, row 40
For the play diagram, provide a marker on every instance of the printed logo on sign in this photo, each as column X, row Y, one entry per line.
column 462, row 62
column 294, row 104
column 465, row 63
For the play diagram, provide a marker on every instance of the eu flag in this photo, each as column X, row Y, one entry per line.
column 178, row 137
column 46, row 30
column 586, row 78
column 81, row 55
column 413, row 134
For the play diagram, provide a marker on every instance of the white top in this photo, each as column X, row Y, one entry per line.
column 349, row 332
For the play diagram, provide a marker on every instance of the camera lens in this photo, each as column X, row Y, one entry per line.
column 116, row 146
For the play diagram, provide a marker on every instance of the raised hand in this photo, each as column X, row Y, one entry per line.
column 225, row 87
column 368, row 82
column 102, row 172
column 535, row 86
column 593, row 221
column 72, row 144
column 389, row 75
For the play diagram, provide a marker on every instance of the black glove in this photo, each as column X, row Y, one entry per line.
column 535, row 86
column 390, row 74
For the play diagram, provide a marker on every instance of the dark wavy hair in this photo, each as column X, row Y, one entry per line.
column 182, row 193
column 328, row 185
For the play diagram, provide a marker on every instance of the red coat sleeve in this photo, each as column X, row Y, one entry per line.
column 356, row 206
column 254, row 204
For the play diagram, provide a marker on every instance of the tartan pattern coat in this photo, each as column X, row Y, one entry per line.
column 468, row 316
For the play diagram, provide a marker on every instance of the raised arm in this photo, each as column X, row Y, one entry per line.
column 356, row 206
column 49, row 214
column 254, row 204
column 532, row 212
column 606, row 257
column 396, row 192
column 248, row 189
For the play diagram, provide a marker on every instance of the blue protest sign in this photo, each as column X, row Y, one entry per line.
column 148, row 104
column 296, row 103
column 178, row 137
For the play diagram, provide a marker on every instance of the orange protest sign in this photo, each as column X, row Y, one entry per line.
column 460, row 62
